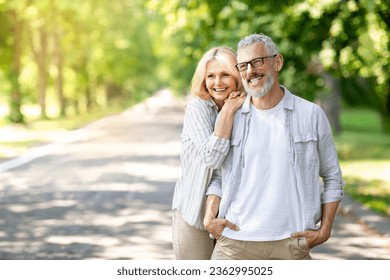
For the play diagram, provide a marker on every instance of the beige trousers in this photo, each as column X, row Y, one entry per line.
column 286, row 249
column 190, row 243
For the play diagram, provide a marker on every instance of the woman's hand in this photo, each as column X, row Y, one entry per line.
column 234, row 101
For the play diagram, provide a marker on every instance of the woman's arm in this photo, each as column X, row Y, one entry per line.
column 224, row 123
column 212, row 146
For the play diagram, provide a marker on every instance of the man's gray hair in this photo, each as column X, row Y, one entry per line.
column 258, row 38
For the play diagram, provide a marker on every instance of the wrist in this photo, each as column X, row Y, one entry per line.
column 324, row 234
column 228, row 110
column 208, row 220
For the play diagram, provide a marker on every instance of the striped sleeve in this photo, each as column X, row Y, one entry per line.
column 200, row 126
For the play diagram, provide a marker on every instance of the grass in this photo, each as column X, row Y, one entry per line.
column 364, row 154
column 361, row 137
column 368, row 182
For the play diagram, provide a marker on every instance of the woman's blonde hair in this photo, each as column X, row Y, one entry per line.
column 224, row 55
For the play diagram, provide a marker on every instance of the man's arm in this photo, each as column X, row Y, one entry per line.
column 333, row 184
column 315, row 238
column 215, row 225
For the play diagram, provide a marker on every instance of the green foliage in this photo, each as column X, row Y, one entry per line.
column 358, row 92
column 362, row 138
column 102, row 50
column 126, row 49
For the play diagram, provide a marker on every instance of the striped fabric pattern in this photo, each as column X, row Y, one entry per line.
column 201, row 152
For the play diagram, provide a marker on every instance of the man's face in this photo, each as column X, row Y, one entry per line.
column 257, row 81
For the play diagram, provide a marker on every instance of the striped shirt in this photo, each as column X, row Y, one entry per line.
column 201, row 152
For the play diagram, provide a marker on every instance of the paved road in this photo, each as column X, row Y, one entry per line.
column 105, row 193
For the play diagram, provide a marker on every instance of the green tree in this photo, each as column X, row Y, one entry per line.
column 326, row 44
column 11, row 47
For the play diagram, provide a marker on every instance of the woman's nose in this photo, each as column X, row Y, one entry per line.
column 218, row 80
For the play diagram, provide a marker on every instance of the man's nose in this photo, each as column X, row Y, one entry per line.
column 250, row 68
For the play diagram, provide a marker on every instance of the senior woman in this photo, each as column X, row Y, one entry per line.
column 217, row 94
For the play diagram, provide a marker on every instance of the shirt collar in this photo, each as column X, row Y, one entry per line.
column 288, row 103
column 210, row 102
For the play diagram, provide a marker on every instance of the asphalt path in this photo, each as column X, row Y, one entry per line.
column 105, row 192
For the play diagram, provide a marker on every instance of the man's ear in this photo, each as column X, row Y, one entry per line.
column 278, row 62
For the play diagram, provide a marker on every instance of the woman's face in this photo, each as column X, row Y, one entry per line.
column 219, row 82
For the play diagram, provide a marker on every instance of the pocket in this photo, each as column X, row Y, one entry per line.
column 231, row 247
column 222, row 238
column 306, row 153
column 304, row 138
column 235, row 142
column 299, row 249
column 302, row 243
column 232, row 156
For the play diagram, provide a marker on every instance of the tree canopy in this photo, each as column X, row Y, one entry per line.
column 76, row 55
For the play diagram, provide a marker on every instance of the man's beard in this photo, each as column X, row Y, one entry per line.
column 263, row 91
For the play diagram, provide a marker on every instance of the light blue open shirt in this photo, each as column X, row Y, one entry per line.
column 312, row 153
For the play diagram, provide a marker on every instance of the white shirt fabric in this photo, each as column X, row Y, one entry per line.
column 266, row 205
column 311, row 151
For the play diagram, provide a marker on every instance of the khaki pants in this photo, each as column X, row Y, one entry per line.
column 286, row 249
column 190, row 243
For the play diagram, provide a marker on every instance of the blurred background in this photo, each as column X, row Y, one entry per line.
column 66, row 63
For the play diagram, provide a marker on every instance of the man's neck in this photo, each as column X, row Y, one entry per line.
column 270, row 100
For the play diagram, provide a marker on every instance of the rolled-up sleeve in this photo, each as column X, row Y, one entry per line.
column 215, row 186
column 329, row 165
column 215, row 150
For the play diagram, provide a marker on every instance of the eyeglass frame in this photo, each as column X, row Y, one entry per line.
column 250, row 62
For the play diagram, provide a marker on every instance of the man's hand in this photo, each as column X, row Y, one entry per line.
column 313, row 237
column 216, row 226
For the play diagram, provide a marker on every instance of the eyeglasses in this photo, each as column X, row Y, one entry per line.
column 256, row 62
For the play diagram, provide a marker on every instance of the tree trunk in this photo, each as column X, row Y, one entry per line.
column 40, row 53
column 60, row 78
column 87, row 84
column 113, row 91
column 16, row 115
column 331, row 103
column 385, row 115
column 88, row 97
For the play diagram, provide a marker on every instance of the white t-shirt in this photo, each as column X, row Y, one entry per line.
column 266, row 205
